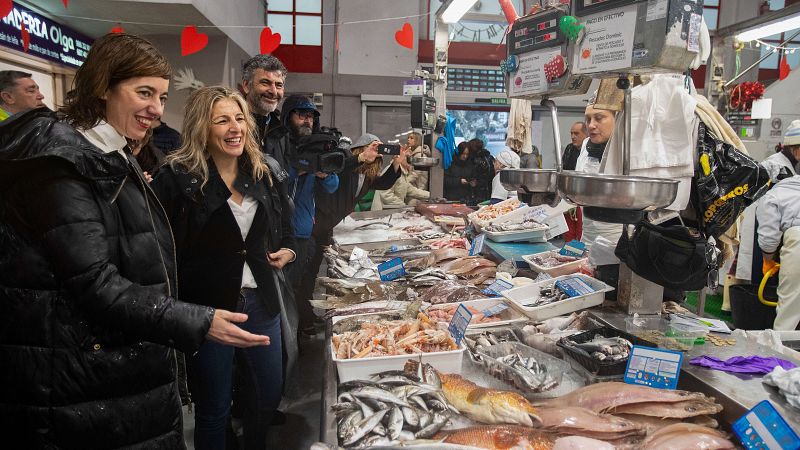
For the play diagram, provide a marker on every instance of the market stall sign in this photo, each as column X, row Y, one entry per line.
column 573, row 248
column 48, row 39
column 495, row 289
column 764, row 428
column 391, row 269
column 477, row 245
column 495, row 310
column 459, row 323
column 653, row 367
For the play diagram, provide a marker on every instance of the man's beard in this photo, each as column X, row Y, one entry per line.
column 260, row 105
column 301, row 130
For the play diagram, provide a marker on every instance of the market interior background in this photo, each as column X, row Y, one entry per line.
column 347, row 56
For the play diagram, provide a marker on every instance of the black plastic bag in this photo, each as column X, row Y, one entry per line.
column 673, row 256
column 726, row 181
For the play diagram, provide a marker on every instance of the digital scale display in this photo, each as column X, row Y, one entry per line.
column 534, row 33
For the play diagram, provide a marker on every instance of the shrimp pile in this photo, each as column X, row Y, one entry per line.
column 392, row 337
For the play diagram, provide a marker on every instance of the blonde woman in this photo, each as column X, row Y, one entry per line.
column 232, row 231
column 417, row 178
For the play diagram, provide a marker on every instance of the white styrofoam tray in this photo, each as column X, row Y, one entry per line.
column 537, row 235
column 362, row 368
column 479, row 224
column 525, row 295
column 506, row 317
column 556, row 271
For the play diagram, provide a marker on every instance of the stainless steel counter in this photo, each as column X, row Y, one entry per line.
column 735, row 392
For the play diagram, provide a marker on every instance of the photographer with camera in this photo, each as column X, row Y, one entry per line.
column 313, row 162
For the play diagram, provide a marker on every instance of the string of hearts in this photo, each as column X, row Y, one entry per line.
column 193, row 41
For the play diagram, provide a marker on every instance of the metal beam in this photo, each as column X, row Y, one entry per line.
column 764, row 19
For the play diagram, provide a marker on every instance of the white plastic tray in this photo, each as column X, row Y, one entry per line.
column 557, row 271
column 524, row 295
column 518, row 235
column 506, row 317
column 479, row 224
column 362, row 368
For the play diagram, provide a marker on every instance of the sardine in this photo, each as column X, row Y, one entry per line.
column 347, row 424
column 395, row 422
column 363, row 427
column 379, row 395
column 439, row 421
column 410, row 416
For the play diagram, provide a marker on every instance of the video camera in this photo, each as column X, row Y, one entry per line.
column 319, row 152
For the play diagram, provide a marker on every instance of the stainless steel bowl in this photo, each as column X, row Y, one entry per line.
column 617, row 191
column 424, row 161
column 530, row 180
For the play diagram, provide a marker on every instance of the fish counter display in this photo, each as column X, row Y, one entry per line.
column 396, row 376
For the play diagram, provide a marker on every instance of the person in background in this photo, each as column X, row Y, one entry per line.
column 457, row 177
column 301, row 117
column 778, row 215
column 417, row 178
column 506, row 159
column 263, row 78
column 165, row 138
column 577, row 134
column 149, row 157
column 786, row 154
column 483, row 162
column 231, row 236
column 18, row 93
column 88, row 364
column 403, row 192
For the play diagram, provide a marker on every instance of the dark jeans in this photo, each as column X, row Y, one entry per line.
column 296, row 274
column 212, row 378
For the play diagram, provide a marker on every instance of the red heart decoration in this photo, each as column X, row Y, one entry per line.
column 26, row 38
column 117, row 29
column 192, row 41
column 269, row 41
column 405, row 36
column 66, row 3
column 5, row 7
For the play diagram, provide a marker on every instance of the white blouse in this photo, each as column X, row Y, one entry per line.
column 105, row 137
column 244, row 215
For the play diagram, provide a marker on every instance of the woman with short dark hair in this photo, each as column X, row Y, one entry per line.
column 87, row 269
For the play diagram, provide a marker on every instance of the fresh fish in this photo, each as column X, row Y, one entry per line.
column 581, row 443
column 418, row 401
column 529, row 372
column 348, row 423
column 602, row 397
column 424, row 419
column 378, row 394
column 439, row 421
column 394, row 373
column 672, row 410
column 653, row 424
column 488, row 405
column 363, row 427
column 353, row 384
column 500, row 437
column 603, row 348
column 581, row 421
column 687, row 436
column 395, row 423
column 410, row 416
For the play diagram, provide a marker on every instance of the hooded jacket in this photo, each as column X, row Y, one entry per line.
column 778, row 211
column 87, row 286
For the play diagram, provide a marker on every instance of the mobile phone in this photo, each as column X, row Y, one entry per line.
column 389, row 149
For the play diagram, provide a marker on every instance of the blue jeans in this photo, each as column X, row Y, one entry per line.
column 211, row 371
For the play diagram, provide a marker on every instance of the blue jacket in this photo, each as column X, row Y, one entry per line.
column 301, row 190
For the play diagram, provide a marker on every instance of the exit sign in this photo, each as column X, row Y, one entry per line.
column 499, row 101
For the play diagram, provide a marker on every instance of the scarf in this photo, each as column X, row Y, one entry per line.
column 596, row 150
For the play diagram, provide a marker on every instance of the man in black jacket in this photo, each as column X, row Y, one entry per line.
column 577, row 134
column 263, row 78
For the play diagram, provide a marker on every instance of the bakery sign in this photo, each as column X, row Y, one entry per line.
column 48, row 39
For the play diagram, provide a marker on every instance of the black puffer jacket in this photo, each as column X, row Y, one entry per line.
column 87, row 278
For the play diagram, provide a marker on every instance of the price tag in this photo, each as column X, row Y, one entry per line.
column 537, row 213
column 764, row 428
column 497, row 287
column 459, row 323
column 573, row 248
column 495, row 310
column 653, row 367
column 477, row 245
column 391, row 269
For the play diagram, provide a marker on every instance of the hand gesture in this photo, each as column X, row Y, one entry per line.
column 224, row 331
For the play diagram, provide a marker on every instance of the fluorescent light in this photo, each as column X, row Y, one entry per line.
column 456, row 10
column 785, row 24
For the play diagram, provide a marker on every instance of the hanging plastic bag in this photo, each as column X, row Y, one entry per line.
column 726, row 181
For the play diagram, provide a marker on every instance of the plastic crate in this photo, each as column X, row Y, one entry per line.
column 594, row 366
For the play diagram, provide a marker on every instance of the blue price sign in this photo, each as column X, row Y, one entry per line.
column 497, row 287
column 459, row 323
column 477, row 245
column 391, row 269
column 573, row 248
column 653, row 367
column 764, row 428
